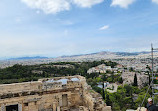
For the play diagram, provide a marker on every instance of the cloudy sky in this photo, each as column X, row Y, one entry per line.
column 67, row 27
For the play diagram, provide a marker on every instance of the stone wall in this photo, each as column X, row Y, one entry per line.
column 52, row 94
column 19, row 87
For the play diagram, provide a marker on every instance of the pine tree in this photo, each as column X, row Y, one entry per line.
column 120, row 80
column 135, row 80
column 103, row 91
column 108, row 102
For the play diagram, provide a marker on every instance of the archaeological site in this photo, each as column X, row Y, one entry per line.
column 70, row 93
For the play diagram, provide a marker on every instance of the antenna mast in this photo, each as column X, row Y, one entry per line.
column 152, row 71
column 153, row 75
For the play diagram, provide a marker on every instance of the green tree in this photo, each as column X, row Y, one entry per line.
column 135, row 80
column 104, row 77
column 120, row 80
column 131, row 69
column 103, row 91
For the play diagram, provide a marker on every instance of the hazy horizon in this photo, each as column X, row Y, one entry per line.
column 40, row 56
column 53, row 28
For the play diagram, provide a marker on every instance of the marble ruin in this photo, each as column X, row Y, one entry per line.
column 69, row 93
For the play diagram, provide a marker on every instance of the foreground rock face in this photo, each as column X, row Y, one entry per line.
column 54, row 94
column 128, row 78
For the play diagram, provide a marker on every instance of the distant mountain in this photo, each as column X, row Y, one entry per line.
column 28, row 58
column 75, row 58
column 105, row 53
column 130, row 53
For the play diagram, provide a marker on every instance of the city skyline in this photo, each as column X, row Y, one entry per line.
column 54, row 28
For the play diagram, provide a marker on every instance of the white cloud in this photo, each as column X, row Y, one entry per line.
column 155, row 1
column 122, row 3
column 87, row 3
column 55, row 6
column 49, row 6
column 104, row 27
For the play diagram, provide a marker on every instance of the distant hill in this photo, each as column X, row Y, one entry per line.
column 105, row 53
column 75, row 58
column 28, row 58
column 131, row 53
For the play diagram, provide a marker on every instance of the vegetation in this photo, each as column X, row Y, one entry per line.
column 127, row 97
column 135, row 80
column 19, row 73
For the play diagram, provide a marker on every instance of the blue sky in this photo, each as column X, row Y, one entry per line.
column 68, row 27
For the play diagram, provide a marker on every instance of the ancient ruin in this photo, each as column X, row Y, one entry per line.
column 69, row 93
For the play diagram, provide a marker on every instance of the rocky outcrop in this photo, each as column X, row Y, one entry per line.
column 128, row 78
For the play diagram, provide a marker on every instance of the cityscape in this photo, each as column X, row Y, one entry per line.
column 79, row 55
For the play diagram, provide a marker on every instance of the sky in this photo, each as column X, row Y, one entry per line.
column 55, row 28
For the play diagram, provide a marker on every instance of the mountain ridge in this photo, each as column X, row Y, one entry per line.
column 106, row 52
column 28, row 57
column 101, row 53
